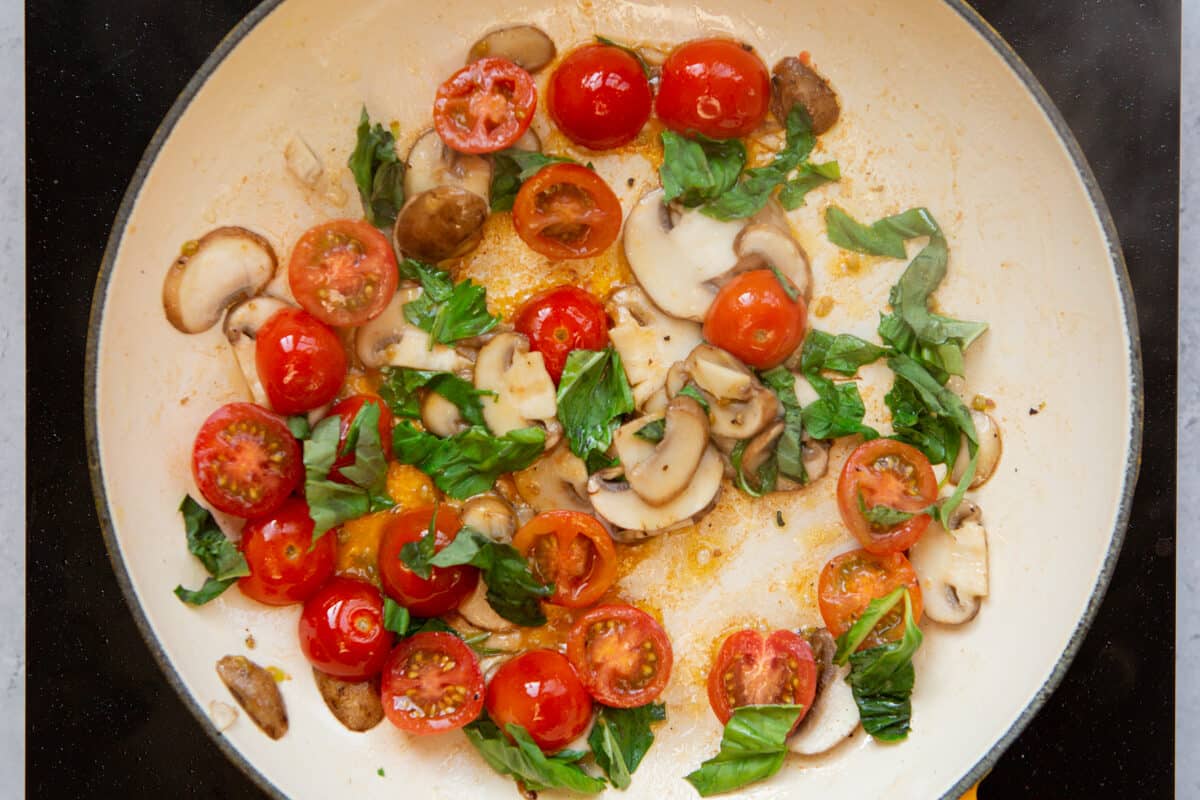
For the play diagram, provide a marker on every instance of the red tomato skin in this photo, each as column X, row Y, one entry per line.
column 852, row 479
column 753, row 318
column 301, row 363
column 492, row 86
column 567, row 211
column 446, row 586
column 227, row 439
column 343, row 272
column 341, row 630
column 715, row 87
column 561, row 320
column 850, row 581
column 285, row 565
column 599, row 97
column 578, row 582
column 395, row 683
column 746, row 649
column 600, row 683
column 540, row 691
column 348, row 409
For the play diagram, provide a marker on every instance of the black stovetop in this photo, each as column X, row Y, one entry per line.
column 102, row 720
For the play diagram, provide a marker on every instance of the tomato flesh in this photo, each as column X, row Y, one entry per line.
column 849, row 582
column 753, row 318
column 621, row 654
column 343, row 272
column 348, row 409
column 301, row 362
column 755, row 670
column 884, row 472
column 245, row 461
column 540, row 691
column 599, row 96
column 715, row 87
column 432, row 684
column 573, row 551
column 446, row 587
column 567, row 211
column 342, row 632
column 561, row 320
column 485, row 106
column 286, row 566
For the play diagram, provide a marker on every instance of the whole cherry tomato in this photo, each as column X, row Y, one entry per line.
column 342, row 632
column 446, row 587
column 245, row 460
column 286, row 565
column 754, row 318
column 715, row 87
column 561, row 320
column 540, row 691
column 599, row 96
column 301, row 363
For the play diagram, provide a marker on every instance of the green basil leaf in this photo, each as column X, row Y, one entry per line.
column 445, row 310
column 766, row 475
column 789, row 450
column 524, row 761
column 395, row 617
column 299, row 427
column 699, row 170
column 378, row 172
column 882, row 516
column 937, row 398
column 418, row 556
column 881, row 680
column 652, row 431
column 927, row 429
column 467, row 463
column 621, row 737
column 753, row 748
column 842, row 353
column 838, row 412
column 513, row 591
column 691, row 391
column 369, row 470
column 809, row 177
column 883, row 238
column 211, row 589
column 401, row 386
column 220, row 557
column 593, row 395
column 331, row 503
column 876, row 610
column 511, row 168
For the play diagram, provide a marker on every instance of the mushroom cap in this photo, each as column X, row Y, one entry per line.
column 953, row 568
column 440, row 416
column 392, row 340
column 739, row 405
column 793, row 81
column 648, row 340
column 431, row 163
column 228, row 264
column 440, row 223
column 556, row 480
column 479, row 612
column 491, row 515
column 527, row 46
column 760, row 245
column 626, row 510
column 674, row 260
column 523, row 390
column 666, row 470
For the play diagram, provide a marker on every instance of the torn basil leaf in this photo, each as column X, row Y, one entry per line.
column 220, row 557
column 593, row 395
column 810, row 176
column 395, row 617
column 883, row 238
column 652, row 431
column 882, row 516
column 695, row 171
column 621, row 737
column 753, row 748
column 378, row 172
column 331, row 503
column 299, row 426
column 524, row 761
column 789, row 450
column 467, row 463
column 447, row 311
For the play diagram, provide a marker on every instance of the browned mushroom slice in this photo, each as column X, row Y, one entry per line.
column 522, row 390
column 616, row 502
column 761, row 246
column 527, row 46
column 440, row 223
column 739, row 405
column 491, row 515
column 556, row 480
column 648, row 340
column 356, row 704
column 224, row 266
column 256, row 692
column 660, row 471
column 792, row 82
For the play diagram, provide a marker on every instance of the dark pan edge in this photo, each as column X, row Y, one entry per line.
column 1014, row 62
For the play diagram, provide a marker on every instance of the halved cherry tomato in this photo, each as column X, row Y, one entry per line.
column 573, row 551
column 286, row 565
column 431, row 684
column 301, row 363
column 755, row 670
column 716, row 87
column 755, row 319
column 884, row 472
column 343, row 272
column 599, row 96
column 849, row 582
column 348, row 409
column 567, row 211
column 446, row 587
column 540, row 691
column 245, row 460
column 485, row 106
column 342, row 632
column 621, row 654
column 561, row 320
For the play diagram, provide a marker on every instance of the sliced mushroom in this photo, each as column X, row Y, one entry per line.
column 479, row 612
column 559, row 479
column 431, row 164
column 440, row 416
column 792, row 81
column 440, row 223
column 616, row 502
column 392, row 340
column 226, row 265
column 648, row 340
column 256, row 692
column 763, row 246
column 834, row 715
column 953, row 566
column 356, row 704
column 491, row 515
column 990, row 449
column 675, row 254
column 241, row 327
column 814, row 454
column 739, row 405
column 523, row 390
column 527, row 46
column 663, row 472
